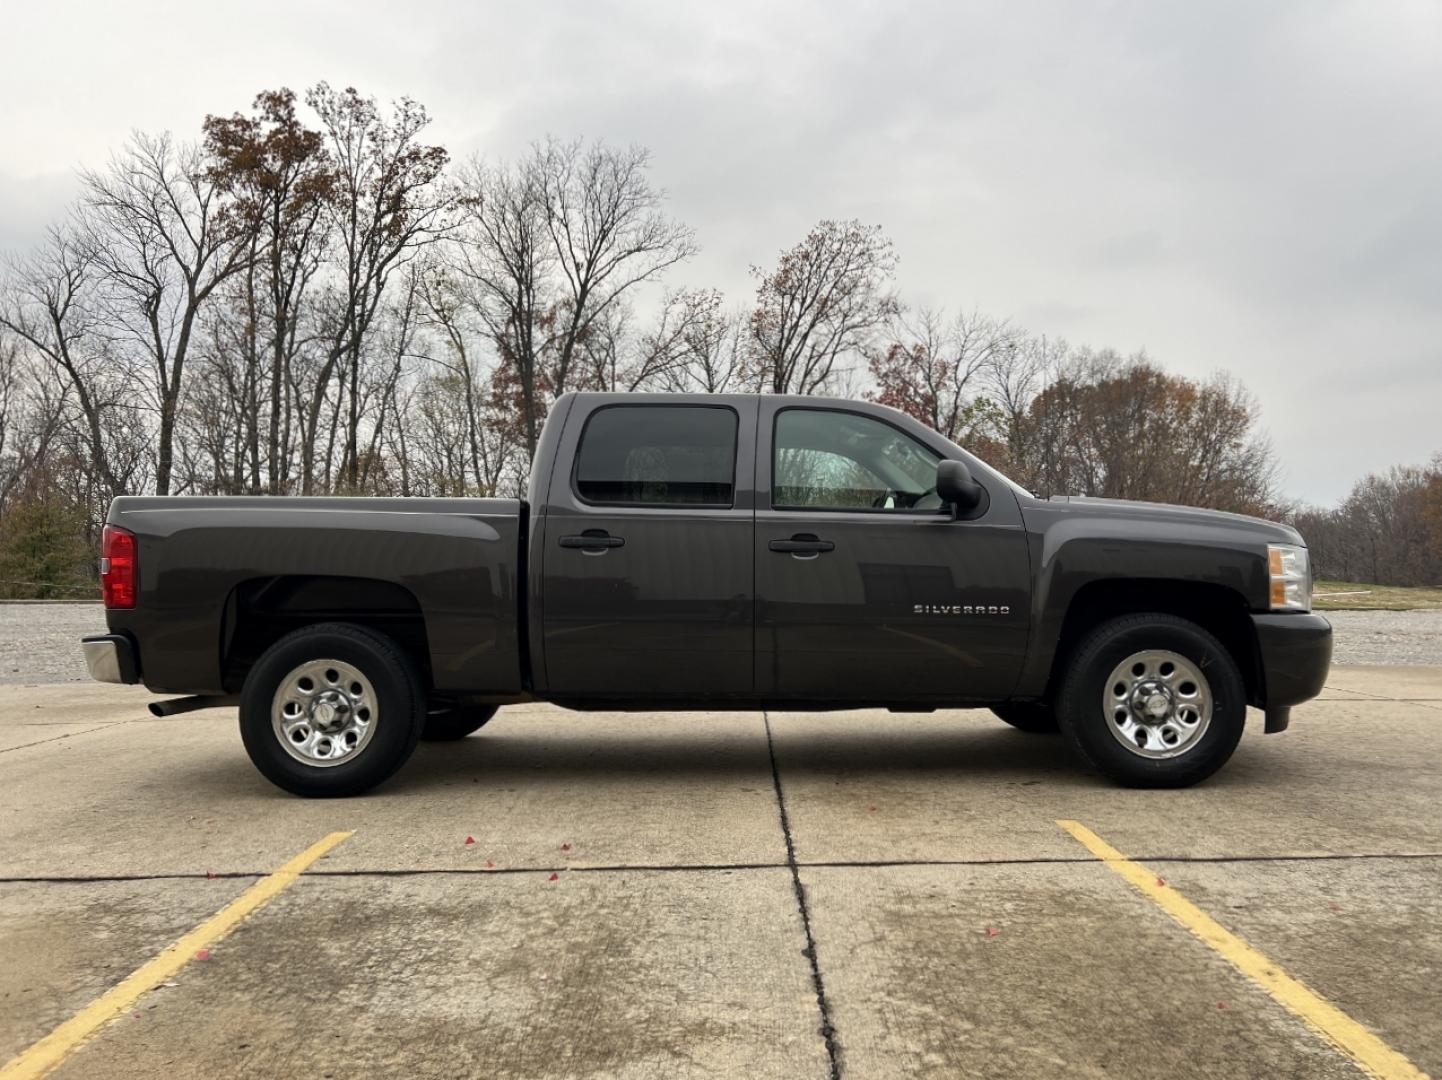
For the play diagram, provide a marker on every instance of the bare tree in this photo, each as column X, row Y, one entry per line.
column 385, row 205
column 696, row 346
column 937, row 370
column 607, row 356
column 1013, row 379
column 395, row 350
column 12, row 466
column 504, row 264
column 551, row 247
column 255, row 314
column 46, row 306
column 279, row 176
column 608, row 231
column 1431, row 514
column 160, row 245
column 460, row 383
column 826, row 299
column 218, row 435
column 1385, row 532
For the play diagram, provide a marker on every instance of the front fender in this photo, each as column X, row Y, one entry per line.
column 1071, row 551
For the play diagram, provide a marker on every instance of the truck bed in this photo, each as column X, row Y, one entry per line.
column 442, row 575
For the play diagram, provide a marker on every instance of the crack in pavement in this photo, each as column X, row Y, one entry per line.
column 703, row 868
column 828, row 1030
column 1359, row 697
column 57, row 738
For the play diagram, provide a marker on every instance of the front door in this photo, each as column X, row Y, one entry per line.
column 648, row 570
column 867, row 590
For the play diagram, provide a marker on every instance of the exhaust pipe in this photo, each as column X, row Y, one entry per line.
column 189, row 704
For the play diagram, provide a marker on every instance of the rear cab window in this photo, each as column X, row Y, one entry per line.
column 658, row 455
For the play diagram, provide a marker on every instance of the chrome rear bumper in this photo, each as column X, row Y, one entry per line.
column 110, row 658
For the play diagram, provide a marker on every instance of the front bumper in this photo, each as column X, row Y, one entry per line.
column 1295, row 652
column 110, row 658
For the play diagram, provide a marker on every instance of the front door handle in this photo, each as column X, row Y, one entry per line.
column 802, row 546
column 593, row 541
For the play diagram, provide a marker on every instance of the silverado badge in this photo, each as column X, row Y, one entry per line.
column 961, row 609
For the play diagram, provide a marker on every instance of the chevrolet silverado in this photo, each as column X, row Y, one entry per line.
column 712, row 552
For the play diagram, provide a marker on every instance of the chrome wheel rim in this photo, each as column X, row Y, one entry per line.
column 324, row 712
column 1157, row 704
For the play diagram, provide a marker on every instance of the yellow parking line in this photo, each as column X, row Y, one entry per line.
column 53, row 1048
column 1370, row 1053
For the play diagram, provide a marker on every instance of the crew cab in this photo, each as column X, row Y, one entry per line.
column 712, row 552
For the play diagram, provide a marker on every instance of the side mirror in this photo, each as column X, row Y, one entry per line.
column 956, row 487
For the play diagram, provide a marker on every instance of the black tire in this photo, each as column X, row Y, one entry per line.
column 450, row 721
column 1029, row 716
column 399, row 709
column 1086, row 721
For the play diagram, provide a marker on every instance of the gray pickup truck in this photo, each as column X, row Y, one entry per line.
column 712, row 552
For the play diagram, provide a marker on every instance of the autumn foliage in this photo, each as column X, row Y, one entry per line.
column 312, row 297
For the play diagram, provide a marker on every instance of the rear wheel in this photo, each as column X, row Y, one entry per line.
column 331, row 709
column 450, row 720
column 1030, row 716
column 1153, row 700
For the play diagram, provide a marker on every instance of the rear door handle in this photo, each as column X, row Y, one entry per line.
column 593, row 541
column 802, row 546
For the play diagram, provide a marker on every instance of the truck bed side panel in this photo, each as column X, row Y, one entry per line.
column 459, row 558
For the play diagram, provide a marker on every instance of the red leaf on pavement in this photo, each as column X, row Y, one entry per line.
column 1162, row 881
column 210, row 875
column 1334, row 905
column 490, row 865
column 992, row 931
column 202, row 954
column 566, row 847
column 1221, row 1004
column 470, row 840
column 554, row 876
column 871, row 808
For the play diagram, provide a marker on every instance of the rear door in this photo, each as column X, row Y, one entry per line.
column 867, row 590
column 648, row 571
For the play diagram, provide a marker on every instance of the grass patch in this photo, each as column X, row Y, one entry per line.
column 1354, row 596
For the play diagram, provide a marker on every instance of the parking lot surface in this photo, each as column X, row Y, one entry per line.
column 854, row 894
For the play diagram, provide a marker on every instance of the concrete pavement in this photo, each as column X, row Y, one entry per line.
column 946, row 925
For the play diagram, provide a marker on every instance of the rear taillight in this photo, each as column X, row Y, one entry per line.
column 118, row 572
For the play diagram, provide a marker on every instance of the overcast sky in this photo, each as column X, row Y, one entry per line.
column 1255, row 187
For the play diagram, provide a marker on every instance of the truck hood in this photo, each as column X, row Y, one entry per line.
column 1253, row 528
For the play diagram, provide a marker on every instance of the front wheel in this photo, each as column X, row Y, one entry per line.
column 331, row 709
column 1153, row 700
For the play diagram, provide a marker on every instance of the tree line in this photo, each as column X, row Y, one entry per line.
column 310, row 297
column 1387, row 531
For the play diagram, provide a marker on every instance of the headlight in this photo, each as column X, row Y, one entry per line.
column 1291, row 577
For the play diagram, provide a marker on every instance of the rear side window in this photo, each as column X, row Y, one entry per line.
column 672, row 455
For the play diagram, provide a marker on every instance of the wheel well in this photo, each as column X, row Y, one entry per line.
column 1223, row 612
column 260, row 611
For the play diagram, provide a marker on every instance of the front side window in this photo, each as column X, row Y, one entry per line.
column 845, row 461
column 666, row 455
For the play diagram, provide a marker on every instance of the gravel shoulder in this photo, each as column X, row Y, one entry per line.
column 1386, row 637
column 40, row 642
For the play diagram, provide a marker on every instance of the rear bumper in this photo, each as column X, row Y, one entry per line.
column 1296, row 654
column 110, row 658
